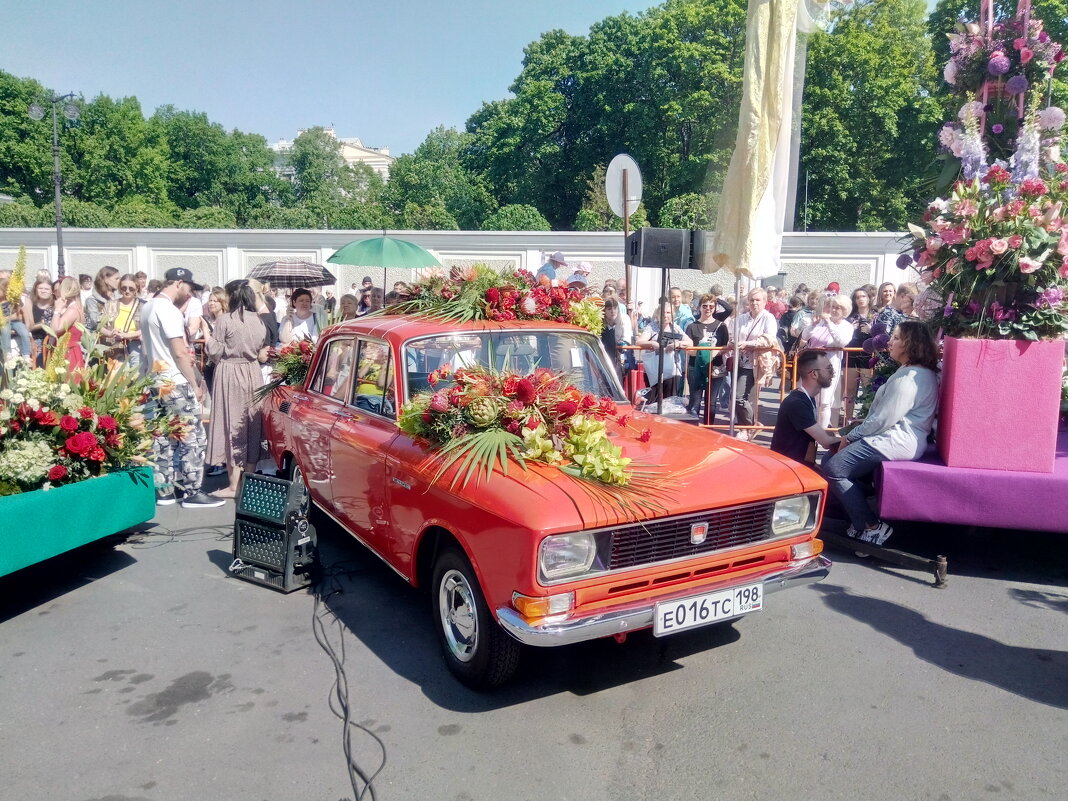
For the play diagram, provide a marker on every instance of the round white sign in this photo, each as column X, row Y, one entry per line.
column 613, row 185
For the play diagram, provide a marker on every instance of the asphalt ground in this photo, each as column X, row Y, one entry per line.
column 137, row 669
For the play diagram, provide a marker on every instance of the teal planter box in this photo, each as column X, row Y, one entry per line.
column 35, row 526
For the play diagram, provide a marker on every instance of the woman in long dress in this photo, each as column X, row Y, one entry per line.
column 68, row 316
column 236, row 346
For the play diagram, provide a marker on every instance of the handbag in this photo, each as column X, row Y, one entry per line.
column 743, row 412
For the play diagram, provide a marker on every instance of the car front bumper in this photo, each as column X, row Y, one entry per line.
column 633, row 617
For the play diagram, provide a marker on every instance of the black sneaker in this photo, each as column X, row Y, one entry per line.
column 198, row 500
column 164, row 498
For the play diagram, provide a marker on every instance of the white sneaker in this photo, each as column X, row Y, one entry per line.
column 742, row 435
column 852, row 532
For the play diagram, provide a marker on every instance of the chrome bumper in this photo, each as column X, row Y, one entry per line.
column 628, row 618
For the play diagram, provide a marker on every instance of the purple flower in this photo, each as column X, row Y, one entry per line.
column 998, row 65
column 880, row 342
column 904, row 261
column 1051, row 298
column 997, row 128
column 972, row 308
column 1016, row 85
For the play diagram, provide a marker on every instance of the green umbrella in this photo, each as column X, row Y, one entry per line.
column 384, row 251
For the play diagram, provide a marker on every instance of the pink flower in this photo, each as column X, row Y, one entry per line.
column 1026, row 54
column 966, row 208
column 998, row 246
column 1063, row 271
column 57, row 472
column 970, row 254
column 1028, row 266
column 439, row 401
column 528, row 305
column 1015, row 241
column 984, row 265
column 925, row 260
column 954, row 236
column 1020, row 43
column 934, row 244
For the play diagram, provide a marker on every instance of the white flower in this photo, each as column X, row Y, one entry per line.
column 939, row 204
column 6, row 394
column 25, row 462
column 1051, row 118
column 950, row 72
column 974, row 109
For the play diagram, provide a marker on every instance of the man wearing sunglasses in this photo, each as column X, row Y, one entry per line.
column 797, row 431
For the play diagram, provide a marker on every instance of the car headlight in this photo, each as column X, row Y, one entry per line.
column 563, row 555
column 793, row 515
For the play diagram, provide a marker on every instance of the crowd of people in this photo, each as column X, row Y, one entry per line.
column 213, row 345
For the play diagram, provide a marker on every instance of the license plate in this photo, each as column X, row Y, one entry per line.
column 670, row 617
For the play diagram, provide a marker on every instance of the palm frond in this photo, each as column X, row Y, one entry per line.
column 478, row 453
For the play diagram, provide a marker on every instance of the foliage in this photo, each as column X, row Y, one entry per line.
column 869, row 119
column 597, row 215
column 206, row 217
column 431, row 188
column 692, row 210
column 57, row 427
column 996, row 250
column 481, row 293
column 139, row 213
column 78, row 214
column 478, row 420
column 516, row 217
column 21, row 213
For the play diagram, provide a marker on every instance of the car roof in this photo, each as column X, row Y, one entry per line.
column 399, row 328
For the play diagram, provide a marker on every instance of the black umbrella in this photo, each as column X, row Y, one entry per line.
column 292, row 274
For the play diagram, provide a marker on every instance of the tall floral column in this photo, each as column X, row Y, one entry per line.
column 995, row 250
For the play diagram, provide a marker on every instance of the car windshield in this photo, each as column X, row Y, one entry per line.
column 578, row 355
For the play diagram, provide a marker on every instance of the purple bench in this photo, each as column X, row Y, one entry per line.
column 928, row 490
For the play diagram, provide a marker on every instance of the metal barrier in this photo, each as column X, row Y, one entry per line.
column 710, row 402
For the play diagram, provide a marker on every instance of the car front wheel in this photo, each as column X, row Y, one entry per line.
column 477, row 650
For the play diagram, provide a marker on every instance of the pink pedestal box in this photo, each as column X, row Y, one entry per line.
column 1000, row 403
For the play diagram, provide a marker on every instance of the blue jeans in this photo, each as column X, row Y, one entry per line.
column 856, row 460
column 19, row 329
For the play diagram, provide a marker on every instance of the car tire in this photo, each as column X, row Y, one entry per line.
column 477, row 650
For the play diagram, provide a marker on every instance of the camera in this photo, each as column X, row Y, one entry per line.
column 669, row 336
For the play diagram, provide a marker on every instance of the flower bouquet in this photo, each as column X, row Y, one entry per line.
column 290, row 367
column 995, row 250
column 58, row 427
column 479, row 420
column 481, row 293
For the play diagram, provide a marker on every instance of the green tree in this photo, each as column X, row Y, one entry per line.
column 434, row 182
column 25, row 144
column 516, row 217
column 206, row 217
column 870, row 118
column 692, row 210
column 78, row 214
column 139, row 213
column 597, row 215
column 21, row 214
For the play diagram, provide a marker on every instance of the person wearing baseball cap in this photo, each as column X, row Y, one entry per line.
column 177, row 394
column 578, row 281
column 550, row 267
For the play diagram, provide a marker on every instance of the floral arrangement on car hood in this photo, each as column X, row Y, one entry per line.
column 290, row 367
column 481, row 293
column 995, row 250
column 481, row 419
column 58, row 427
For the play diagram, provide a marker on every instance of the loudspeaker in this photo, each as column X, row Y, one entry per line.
column 660, row 248
column 274, row 544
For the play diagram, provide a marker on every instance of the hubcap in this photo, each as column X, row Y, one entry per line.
column 459, row 619
column 305, row 497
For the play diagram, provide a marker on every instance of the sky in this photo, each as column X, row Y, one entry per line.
column 386, row 72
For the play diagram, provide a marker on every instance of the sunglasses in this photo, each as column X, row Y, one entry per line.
column 130, row 287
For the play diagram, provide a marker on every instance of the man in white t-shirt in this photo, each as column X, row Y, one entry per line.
column 178, row 452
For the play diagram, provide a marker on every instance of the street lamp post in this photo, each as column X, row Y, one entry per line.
column 71, row 112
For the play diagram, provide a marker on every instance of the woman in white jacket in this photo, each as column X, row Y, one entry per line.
column 830, row 330
column 896, row 428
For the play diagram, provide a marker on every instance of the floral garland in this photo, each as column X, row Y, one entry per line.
column 479, row 419
column 58, row 427
column 995, row 251
column 481, row 293
column 290, row 367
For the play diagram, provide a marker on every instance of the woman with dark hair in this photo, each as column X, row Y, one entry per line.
column 237, row 347
column 896, row 428
column 861, row 318
column 37, row 314
column 105, row 288
column 300, row 323
column 707, row 330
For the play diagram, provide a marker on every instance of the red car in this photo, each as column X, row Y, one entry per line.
column 522, row 559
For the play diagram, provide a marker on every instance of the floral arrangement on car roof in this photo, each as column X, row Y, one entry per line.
column 995, row 251
column 58, row 426
column 480, row 419
column 290, row 367
column 481, row 293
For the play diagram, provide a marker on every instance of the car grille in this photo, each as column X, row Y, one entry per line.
column 663, row 540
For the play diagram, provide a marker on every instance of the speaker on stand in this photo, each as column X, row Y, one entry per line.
column 274, row 543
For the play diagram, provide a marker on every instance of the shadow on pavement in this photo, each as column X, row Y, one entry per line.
column 1036, row 674
column 393, row 621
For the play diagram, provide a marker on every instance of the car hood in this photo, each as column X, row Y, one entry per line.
column 691, row 469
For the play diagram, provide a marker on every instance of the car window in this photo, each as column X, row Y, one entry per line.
column 373, row 391
column 333, row 376
column 578, row 355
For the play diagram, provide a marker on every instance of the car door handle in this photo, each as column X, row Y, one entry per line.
column 347, row 414
column 301, row 396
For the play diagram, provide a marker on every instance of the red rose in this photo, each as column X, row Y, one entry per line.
column 68, row 423
column 81, row 444
column 106, row 423
column 86, row 413
column 646, row 435
column 57, row 472
column 96, row 454
column 47, row 419
column 566, row 408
